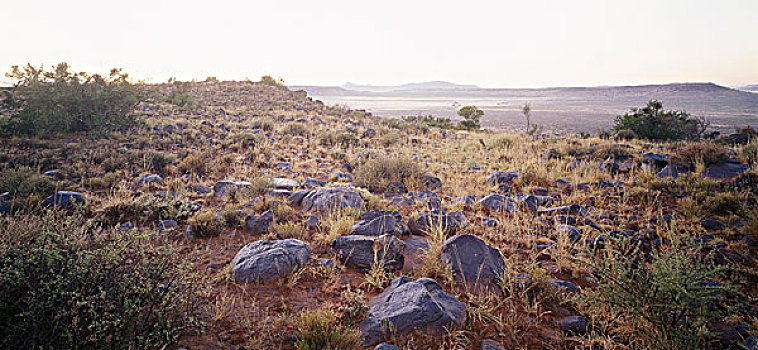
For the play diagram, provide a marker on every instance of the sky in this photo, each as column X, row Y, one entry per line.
column 487, row 43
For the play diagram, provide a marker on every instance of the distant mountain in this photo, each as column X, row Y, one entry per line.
column 430, row 85
column 751, row 88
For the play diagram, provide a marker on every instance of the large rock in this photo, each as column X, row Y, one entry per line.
column 740, row 138
column 380, row 222
column 64, row 200
column 655, row 160
column 225, row 187
column 426, row 222
column 671, row 171
column 415, row 249
column 267, row 261
column 407, row 305
column 259, row 225
column 149, row 179
column 361, row 252
column 430, row 199
column 331, row 199
column 501, row 177
column 431, row 182
column 498, row 202
column 284, row 184
column 725, row 170
column 474, row 263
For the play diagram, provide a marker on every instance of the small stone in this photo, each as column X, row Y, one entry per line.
column 573, row 324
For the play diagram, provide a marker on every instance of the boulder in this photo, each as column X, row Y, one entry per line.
column 330, row 199
column 657, row 161
column 573, row 209
column 671, row 171
column 284, row 184
column 424, row 223
column 475, row 264
column 574, row 233
column 259, row 225
column 501, row 177
column 430, row 199
column 407, row 305
column 739, row 138
column 725, row 170
column 489, row 344
column 573, row 324
column 225, row 187
column 468, row 200
column 266, row 261
column 380, row 222
column 312, row 223
column 397, row 187
column 712, row 225
column 64, row 200
column 149, row 179
column 499, row 203
column 361, row 252
column 313, row 183
column 415, row 247
column 431, row 182
column 296, row 198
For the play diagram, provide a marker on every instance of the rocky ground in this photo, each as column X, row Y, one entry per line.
column 404, row 234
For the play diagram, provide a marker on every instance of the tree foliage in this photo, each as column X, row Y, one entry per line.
column 60, row 101
column 652, row 122
column 471, row 116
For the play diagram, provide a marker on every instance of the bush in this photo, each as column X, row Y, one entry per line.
column 723, row 204
column 65, row 284
column 471, row 116
column 206, row 223
column 24, row 181
column 693, row 153
column 668, row 296
column 319, row 330
column 652, row 122
column 146, row 208
column 376, row 174
column 63, row 102
column 625, row 135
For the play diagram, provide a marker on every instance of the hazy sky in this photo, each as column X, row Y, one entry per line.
column 490, row 43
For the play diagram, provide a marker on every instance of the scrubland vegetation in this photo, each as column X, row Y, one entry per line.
column 643, row 239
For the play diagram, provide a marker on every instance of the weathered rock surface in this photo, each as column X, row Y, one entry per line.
column 261, row 224
column 266, row 261
column 407, row 305
column 331, row 199
column 474, row 263
column 379, row 222
column 361, row 252
column 424, row 223
column 64, row 200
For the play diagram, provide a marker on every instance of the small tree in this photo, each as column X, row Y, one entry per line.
column 526, row 110
column 471, row 116
column 59, row 101
column 652, row 122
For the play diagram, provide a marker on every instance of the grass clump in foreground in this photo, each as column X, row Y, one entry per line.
column 319, row 330
column 378, row 173
column 67, row 284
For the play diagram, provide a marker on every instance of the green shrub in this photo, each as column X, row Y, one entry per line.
column 61, row 102
column 668, row 296
column 625, row 135
column 652, row 122
column 146, row 208
column 319, row 330
column 24, row 181
column 377, row 173
column 65, row 284
column 723, row 204
column 471, row 116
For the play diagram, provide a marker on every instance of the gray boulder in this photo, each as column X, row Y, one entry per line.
column 475, row 264
column 407, row 305
column 573, row 324
column 501, row 177
column 64, row 200
column 259, row 225
column 426, row 222
column 499, row 203
column 225, row 187
column 284, row 184
column 149, row 179
column 379, row 222
column 725, row 170
column 330, row 199
column 361, row 252
column 266, row 261
column 431, row 182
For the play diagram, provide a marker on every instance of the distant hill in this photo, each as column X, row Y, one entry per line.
column 751, row 88
column 430, row 85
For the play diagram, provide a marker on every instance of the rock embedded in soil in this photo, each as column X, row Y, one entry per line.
column 489, row 344
column 379, row 222
column 226, row 187
column 331, row 199
column 725, row 170
column 498, row 203
column 149, row 179
column 407, row 305
column 64, row 200
column 501, row 177
column 573, row 324
column 427, row 222
column 261, row 224
column 266, row 261
column 361, row 252
column 475, row 264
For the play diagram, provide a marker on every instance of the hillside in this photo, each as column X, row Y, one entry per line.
column 287, row 223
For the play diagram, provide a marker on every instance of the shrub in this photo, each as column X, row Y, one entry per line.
column 471, row 116
column 65, row 284
column 24, row 181
column 195, row 164
column 750, row 153
column 652, row 122
column 692, row 153
column 376, row 174
column 158, row 161
column 625, row 135
column 319, row 330
column 296, row 129
column 264, row 124
column 145, row 209
column 668, row 296
column 206, row 223
column 63, row 102
column 723, row 204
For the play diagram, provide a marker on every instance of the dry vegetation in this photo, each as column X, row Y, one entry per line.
column 196, row 134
